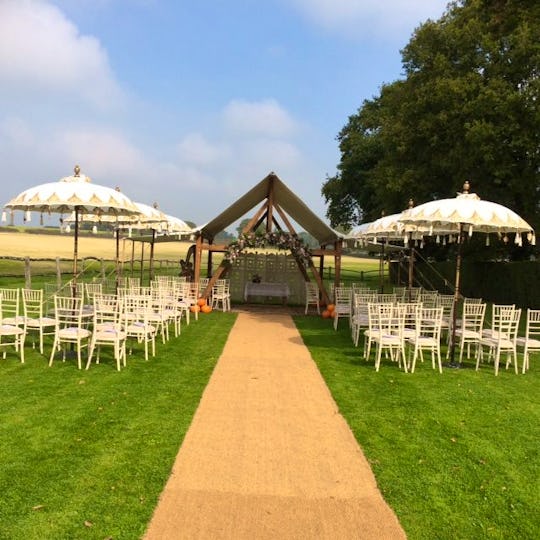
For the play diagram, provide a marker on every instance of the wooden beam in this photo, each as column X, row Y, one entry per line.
column 322, row 252
column 220, row 269
column 285, row 219
column 198, row 259
column 337, row 261
column 270, row 197
column 209, row 263
column 249, row 226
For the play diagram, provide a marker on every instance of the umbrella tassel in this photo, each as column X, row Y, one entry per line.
column 27, row 216
column 41, row 218
column 487, row 240
column 94, row 229
column 4, row 217
column 470, row 230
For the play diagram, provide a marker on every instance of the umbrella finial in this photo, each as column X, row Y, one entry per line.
column 411, row 203
column 466, row 186
column 77, row 170
column 155, row 205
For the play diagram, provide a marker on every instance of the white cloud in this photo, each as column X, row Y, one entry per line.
column 41, row 50
column 368, row 18
column 265, row 118
column 196, row 148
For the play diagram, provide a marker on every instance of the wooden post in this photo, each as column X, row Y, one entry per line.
column 209, row 262
column 27, row 273
column 103, row 273
column 132, row 257
column 142, row 262
column 198, row 259
column 151, row 271
column 337, row 259
column 58, row 274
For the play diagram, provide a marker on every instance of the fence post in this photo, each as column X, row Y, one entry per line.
column 27, row 273
column 102, row 269
column 58, row 274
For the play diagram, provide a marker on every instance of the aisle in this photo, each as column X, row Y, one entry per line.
column 267, row 455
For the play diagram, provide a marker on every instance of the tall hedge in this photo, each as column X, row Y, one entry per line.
column 499, row 282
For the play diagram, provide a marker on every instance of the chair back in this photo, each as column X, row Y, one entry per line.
column 32, row 303
column 473, row 317
column 68, row 311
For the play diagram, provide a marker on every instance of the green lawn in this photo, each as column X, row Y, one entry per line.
column 85, row 454
column 455, row 455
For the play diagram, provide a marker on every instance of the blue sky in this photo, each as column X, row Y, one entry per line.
column 191, row 103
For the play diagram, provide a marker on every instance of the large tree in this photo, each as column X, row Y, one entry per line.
column 467, row 108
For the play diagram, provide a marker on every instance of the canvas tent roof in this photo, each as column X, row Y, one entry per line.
column 284, row 198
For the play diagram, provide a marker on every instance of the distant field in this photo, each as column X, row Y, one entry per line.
column 46, row 245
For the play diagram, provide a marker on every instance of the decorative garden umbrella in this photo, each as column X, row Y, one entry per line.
column 75, row 194
column 467, row 213
column 148, row 217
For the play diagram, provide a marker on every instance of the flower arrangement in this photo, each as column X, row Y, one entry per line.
column 277, row 239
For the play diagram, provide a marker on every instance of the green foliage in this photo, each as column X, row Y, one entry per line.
column 455, row 455
column 467, row 108
column 86, row 454
column 498, row 282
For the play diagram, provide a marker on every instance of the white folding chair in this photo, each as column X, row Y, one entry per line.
column 11, row 313
column 108, row 330
column 312, row 296
column 136, row 309
column 11, row 335
column 389, row 337
column 502, row 339
column 531, row 340
column 69, row 329
column 427, row 336
column 221, row 295
column 343, row 304
column 470, row 333
column 34, row 317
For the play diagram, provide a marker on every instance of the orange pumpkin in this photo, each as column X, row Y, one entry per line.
column 201, row 302
column 330, row 307
column 326, row 314
column 195, row 308
column 206, row 308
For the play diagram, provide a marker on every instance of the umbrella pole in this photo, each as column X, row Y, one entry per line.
column 117, row 258
column 142, row 262
column 381, row 268
column 411, row 269
column 151, row 269
column 75, row 253
column 456, row 298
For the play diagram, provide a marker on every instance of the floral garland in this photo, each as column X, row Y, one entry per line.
column 280, row 240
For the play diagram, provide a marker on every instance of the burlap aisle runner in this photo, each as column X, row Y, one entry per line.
column 267, row 454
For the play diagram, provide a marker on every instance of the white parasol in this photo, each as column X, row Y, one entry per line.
column 75, row 194
column 467, row 213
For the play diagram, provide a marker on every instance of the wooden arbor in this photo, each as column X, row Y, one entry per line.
column 276, row 203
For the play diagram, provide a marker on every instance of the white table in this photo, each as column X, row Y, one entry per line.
column 280, row 290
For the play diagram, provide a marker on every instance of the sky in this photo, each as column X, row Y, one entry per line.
column 191, row 103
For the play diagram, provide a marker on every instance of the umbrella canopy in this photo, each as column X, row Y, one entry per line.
column 76, row 194
column 175, row 225
column 467, row 213
column 148, row 217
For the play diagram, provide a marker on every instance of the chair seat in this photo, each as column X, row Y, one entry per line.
column 11, row 330
column 74, row 333
column 468, row 334
column 531, row 343
column 14, row 320
column 40, row 322
column 110, row 334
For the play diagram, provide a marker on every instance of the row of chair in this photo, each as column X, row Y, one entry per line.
column 110, row 319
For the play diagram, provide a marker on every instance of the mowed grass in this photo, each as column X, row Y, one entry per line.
column 455, row 455
column 86, row 454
